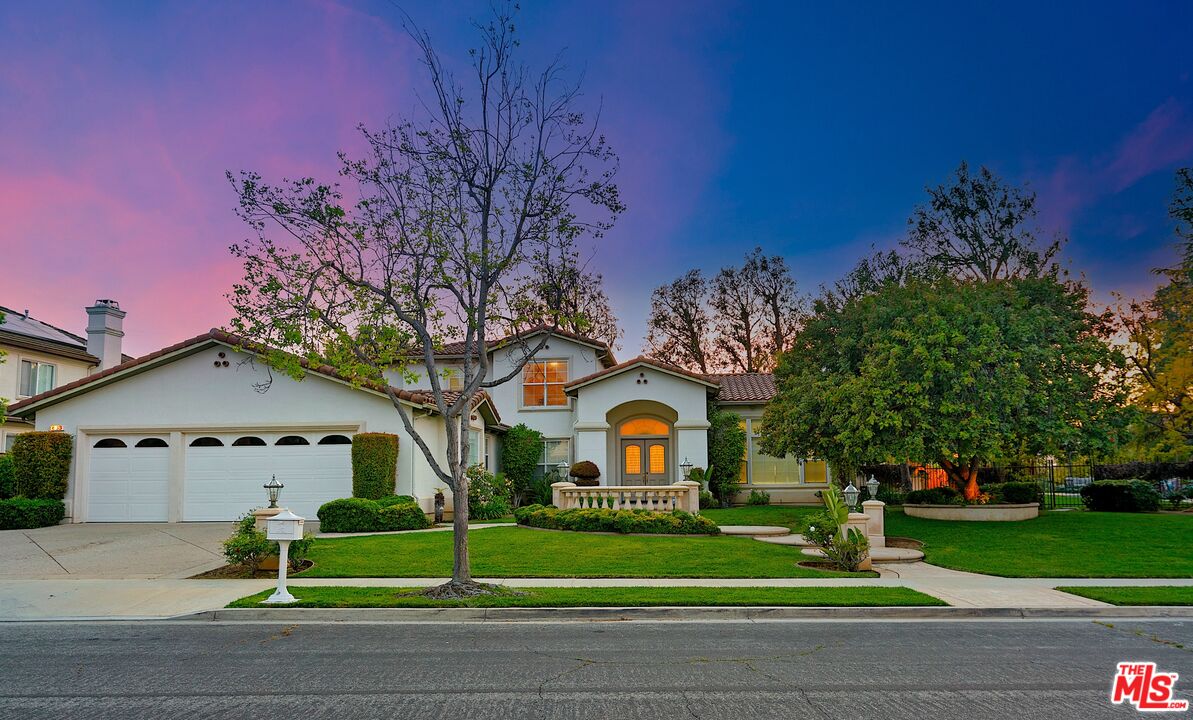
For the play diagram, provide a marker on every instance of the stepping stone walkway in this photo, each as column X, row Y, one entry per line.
column 881, row 554
column 755, row 530
column 797, row 540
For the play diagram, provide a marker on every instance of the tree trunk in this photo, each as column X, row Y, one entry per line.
column 461, row 568
column 964, row 477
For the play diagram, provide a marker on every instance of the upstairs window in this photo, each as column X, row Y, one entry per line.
column 542, row 383
column 36, row 377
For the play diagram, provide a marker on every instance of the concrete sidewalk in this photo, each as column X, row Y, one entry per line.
column 162, row 598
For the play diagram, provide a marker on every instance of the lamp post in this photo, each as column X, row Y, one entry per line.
column 686, row 468
column 872, row 486
column 561, row 467
column 284, row 528
column 274, row 488
column 851, row 494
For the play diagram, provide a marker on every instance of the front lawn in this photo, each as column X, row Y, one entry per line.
column 1073, row 543
column 1158, row 595
column 789, row 516
column 524, row 552
column 352, row 597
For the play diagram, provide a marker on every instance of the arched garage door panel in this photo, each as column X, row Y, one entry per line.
column 225, row 482
column 128, row 484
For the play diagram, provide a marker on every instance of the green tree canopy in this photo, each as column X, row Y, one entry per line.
column 953, row 372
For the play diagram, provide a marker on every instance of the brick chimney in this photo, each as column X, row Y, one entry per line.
column 105, row 334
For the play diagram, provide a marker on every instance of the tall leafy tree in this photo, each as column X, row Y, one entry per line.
column 978, row 227
column 679, row 326
column 1160, row 348
column 499, row 174
column 949, row 372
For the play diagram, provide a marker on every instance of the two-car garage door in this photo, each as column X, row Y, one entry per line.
column 224, row 473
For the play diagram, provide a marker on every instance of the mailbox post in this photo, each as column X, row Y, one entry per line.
column 283, row 527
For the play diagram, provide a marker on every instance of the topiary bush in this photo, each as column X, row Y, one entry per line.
column 943, row 495
column 585, row 474
column 1120, row 496
column 374, row 465
column 25, row 513
column 521, row 449
column 396, row 500
column 8, row 478
column 619, row 521
column 41, row 464
column 488, row 494
column 364, row 515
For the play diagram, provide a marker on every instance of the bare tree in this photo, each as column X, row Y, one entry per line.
column 977, row 227
column 759, row 311
column 479, row 187
column 567, row 296
column 871, row 273
column 679, row 327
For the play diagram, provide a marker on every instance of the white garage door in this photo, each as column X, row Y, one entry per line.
column 225, row 473
column 128, row 479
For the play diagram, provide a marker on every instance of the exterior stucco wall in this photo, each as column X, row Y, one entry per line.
column 10, row 369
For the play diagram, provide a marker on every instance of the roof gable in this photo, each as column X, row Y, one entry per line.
column 456, row 349
column 642, row 361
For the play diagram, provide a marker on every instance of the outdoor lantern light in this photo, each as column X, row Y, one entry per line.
column 284, row 527
column 274, row 488
column 872, row 486
column 851, row 494
column 562, row 468
column 686, row 467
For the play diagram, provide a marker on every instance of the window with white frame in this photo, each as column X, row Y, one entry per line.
column 762, row 469
column 36, row 377
column 542, row 383
column 554, row 451
column 474, row 447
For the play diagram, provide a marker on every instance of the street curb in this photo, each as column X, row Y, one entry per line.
column 674, row 614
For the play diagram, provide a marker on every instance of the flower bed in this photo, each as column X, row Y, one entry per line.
column 677, row 522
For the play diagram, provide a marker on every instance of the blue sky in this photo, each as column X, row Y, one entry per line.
column 808, row 129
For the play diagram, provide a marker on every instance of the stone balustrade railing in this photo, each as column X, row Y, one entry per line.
column 683, row 495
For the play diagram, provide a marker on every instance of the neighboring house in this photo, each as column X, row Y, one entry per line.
column 40, row 357
column 192, row 431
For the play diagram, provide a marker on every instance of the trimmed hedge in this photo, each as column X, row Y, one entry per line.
column 1120, row 496
column 41, row 461
column 8, row 478
column 374, row 465
column 943, row 495
column 26, row 513
column 1015, row 492
column 619, row 521
column 364, row 515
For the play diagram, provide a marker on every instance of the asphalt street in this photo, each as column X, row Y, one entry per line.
column 921, row 670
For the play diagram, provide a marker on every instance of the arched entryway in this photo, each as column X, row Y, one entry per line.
column 643, row 443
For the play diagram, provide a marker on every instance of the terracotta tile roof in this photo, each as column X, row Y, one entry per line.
column 418, row 397
column 457, row 348
column 644, row 360
column 746, row 387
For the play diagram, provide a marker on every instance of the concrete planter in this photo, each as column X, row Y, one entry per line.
column 975, row 513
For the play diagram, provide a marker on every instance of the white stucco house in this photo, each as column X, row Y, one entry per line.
column 189, row 433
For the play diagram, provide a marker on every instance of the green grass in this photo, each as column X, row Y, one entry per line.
column 351, row 597
column 793, row 517
column 1159, row 595
column 1057, row 544
column 523, row 552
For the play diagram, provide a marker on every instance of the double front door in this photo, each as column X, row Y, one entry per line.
column 644, row 461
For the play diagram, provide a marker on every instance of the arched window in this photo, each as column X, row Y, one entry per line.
column 152, row 442
column 644, row 426
column 206, row 442
column 335, row 440
column 248, row 441
column 110, row 443
column 293, row 440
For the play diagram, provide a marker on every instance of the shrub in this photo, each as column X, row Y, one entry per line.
column 25, row 513
column 619, row 521
column 396, row 500
column 1176, row 498
column 298, row 551
column 374, row 464
column 758, row 497
column 248, row 546
column 364, row 515
column 726, row 448
column 1152, row 471
column 943, row 495
column 697, row 474
column 1120, row 496
column 521, row 449
column 889, row 496
column 1016, row 492
column 488, row 494
column 706, row 500
column 846, row 552
column 538, row 492
column 41, row 464
column 8, row 478
column 585, row 473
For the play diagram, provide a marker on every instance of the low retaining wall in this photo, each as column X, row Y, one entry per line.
column 975, row 513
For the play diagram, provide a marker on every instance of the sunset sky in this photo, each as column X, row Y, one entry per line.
column 808, row 130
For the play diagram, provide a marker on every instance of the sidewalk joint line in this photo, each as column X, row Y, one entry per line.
column 47, row 552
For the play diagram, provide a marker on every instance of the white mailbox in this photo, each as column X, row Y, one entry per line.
column 284, row 526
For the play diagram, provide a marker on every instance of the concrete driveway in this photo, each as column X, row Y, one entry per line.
column 112, row 550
